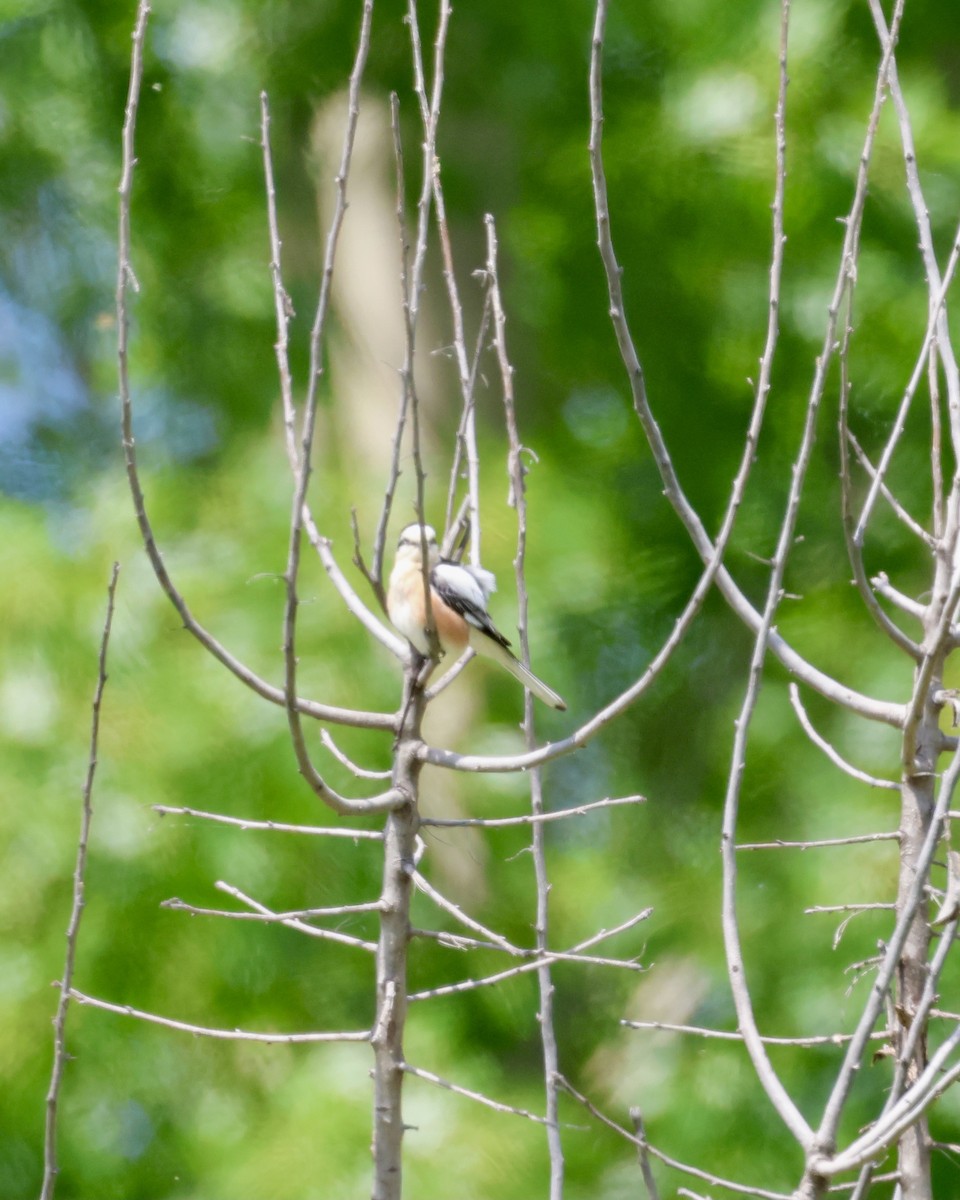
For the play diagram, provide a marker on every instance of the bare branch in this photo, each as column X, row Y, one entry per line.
column 459, row 941
column 854, row 547
column 375, row 574
column 283, row 305
column 531, row 818
column 892, row 714
column 355, row 835
column 284, row 312
column 550, row 956
column 456, row 912
column 449, row 676
column 301, row 914
column 932, row 1082
column 429, row 1076
column 739, row 1188
column 338, row 754
column 401, row 846
column 853, row 911
column 605, row 934
column 828, row 1039
column 468, row 424
column 867, row 706
column 467, row 434
column 938, row 316
column 883, row 585
column 330, row 935
column 835, row 757
column 430, row 116
column 517, row 497
column 899, row 424
column 230, row 1035
column 776, row 1093
column 936, row 443
column 855, row 908
column 643, row 1154
column 891, row 958
column 938, row 331
column 917, row 1030
column 300, row 462
column 820, row 843
column 126, row 279
column 50, row 1168
column 710, row 552
column 887, row 1177
column 929, row 539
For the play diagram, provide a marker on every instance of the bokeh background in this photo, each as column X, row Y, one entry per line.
column 691, row 87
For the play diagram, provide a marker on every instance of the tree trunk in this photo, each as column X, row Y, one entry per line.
column 917, row 803
column 398, row 858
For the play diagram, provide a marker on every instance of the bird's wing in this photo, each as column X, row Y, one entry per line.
column 461, row 589
column 486, row 579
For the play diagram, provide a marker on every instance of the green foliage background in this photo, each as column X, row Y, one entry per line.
column 691, row 87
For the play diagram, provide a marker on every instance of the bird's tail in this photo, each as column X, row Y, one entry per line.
column 490, row 649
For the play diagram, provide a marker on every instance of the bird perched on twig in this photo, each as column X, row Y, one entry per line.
column 458, row 607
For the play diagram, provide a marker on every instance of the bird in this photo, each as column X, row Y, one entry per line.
column 458, row 606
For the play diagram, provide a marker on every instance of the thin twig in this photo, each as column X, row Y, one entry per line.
column 230, row 1035
column 50, row 1168
column 643, row 1154
column 777, row 1094
column 931, row 1083
column 551, row 956
column 426, row 887
column 375, row 574
column 919, row 1020
column 899, row 423
column 936, row 444
column 517, row 497
column 284, row 312
column 338, row 754
column 459, row 941
column 684, row 1168
column 466, row 420
column 779, row 844
column 901, row 513
column 891, row 959
column 430, row 116
column 293, row 920
column 126, row 279
column 892, row 714
column 827, row 1039
column 300, row 914
column 467, row 434
column 330, row 935
column 838, row 908
column 831, row 752
column 887, row 1177
column 886, row 589
column 449, row 676
column 710, row 552
column 854, row 547
column 936, row 288
column 301, row 465
column 355, row 835
column 429, row 1076
column 531, row 818
column 604, row 935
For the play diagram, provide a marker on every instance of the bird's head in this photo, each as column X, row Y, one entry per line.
column 411, row 542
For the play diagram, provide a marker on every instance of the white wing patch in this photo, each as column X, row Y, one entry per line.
column 461, row 583
column 486, row 579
